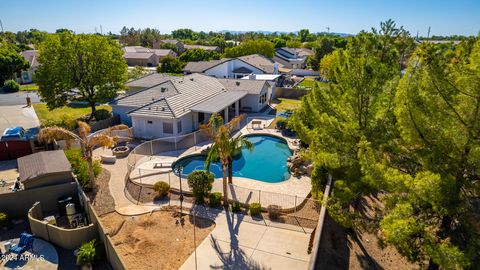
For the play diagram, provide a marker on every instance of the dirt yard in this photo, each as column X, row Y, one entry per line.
column 100, row 196
column 355, row 250
column 155, row 241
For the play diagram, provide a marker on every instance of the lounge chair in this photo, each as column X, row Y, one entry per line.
column 25, row 243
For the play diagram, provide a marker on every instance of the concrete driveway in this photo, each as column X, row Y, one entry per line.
column 237, row 244
column 17, row 115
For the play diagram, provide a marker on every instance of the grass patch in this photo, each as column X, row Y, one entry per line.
column 28, row 87
column 284, row 104
column 64, row 116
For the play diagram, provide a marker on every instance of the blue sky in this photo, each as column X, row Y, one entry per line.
column 349, row 16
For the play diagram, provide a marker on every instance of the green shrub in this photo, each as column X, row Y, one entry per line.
column 86, row 253
column 162, row 188
column 3, row 220
column 281, row 123
column 274, row 211
column 102, row 114
column 255, row 209
column 215, row 199
column 200, row 182
column 80, row 166
column 236, row 207
column 11, row 86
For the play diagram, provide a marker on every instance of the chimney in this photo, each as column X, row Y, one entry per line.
column 237, row 83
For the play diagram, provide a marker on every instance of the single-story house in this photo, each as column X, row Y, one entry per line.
column 274, row 80
column 44, row 169
column 293, row 58
column 180, row 105
column 177, row 43
column 141, row 56
column 234, row 67
column 203, row 47
column 26, row 76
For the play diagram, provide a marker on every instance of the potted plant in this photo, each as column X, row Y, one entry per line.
column 86, row 255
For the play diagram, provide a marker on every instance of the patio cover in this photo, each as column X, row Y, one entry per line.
column 218, row 102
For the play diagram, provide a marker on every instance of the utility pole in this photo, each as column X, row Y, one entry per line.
column 101, row 30
column 428, row 33
column 1, row 25
column 328, row 30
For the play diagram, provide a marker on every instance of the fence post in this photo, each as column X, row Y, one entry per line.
column 195, row 140
column 151, row 149
column 139, row 193
column 295, row 203
column 169, row 180
column 259, row 192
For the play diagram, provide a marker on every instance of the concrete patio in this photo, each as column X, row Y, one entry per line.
column 43, row 256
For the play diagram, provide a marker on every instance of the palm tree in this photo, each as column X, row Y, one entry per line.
column 224, row 146
column 87, row 143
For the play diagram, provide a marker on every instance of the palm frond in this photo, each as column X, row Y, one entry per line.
column 49, row 134
column 101, row 140
column 83, row 129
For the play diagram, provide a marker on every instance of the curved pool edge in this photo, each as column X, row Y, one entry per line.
column 198, row 154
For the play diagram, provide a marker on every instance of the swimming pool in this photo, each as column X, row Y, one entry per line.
column 267, row 162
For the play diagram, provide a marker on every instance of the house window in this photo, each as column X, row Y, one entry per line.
column 149, row 122
column 262, row 98
column 179, row 126
column 168, row 128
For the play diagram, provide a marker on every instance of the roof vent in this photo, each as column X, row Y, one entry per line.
column 153, row 99
column 163, row 109
column 237, row 83
column 163, row 89
column 191, row 79
column 149, row 108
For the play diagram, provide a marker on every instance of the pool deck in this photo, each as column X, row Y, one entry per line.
column 146, row 174
column 42, row 256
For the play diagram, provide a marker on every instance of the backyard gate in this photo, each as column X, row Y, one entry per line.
column 14, row 149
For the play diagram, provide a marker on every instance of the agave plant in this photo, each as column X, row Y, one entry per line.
column 87, row 143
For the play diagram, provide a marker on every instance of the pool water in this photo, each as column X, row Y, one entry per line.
column 267, row 162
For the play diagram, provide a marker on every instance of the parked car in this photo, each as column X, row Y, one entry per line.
column 14, row 134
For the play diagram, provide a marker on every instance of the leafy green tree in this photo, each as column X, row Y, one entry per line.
column 303, row 34
column 437, row 107
column 355, row 106
column 184, row 33
column 294, row 44
column 136, row 72
column 88, row 67
column 200, row 182
column 196, row 54
column 10, row 62
column 279, row 42
column 263, row 47
column 170, row 64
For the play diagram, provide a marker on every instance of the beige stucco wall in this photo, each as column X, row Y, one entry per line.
column 65, row 238
column 17, row 204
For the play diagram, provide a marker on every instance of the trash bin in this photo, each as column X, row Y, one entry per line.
column 62, row 203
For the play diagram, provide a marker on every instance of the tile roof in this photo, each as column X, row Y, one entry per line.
column 249, row 86
column 149, row 80
column 148, row 95
column 202, row 66
column 42, row 163
column 139, row 52
column 219, row 102
column 259, row 61
column 203, row 47
column 31, row 56
column 137, row 55
column 192, row 90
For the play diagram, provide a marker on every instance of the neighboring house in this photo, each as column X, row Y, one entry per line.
column 148, row 81
column 26, row 76
column 180, row 105
column 203, row 47
column 141, row 56
column 44, row 169
column 292, row 58
column 177, row 43
column 274, row 80
column 234, row 67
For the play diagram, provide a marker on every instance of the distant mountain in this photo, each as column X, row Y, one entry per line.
column 280, row 32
